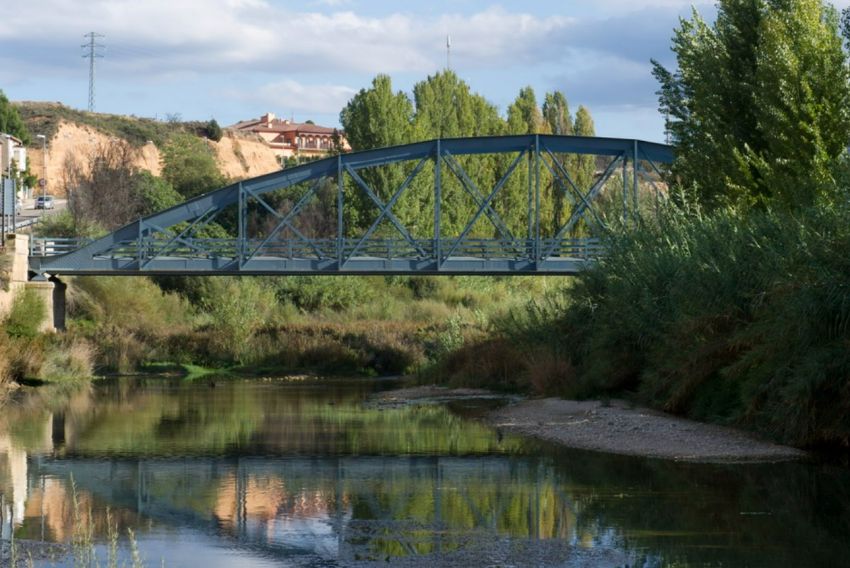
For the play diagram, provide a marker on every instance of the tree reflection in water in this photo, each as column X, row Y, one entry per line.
column 306, row 470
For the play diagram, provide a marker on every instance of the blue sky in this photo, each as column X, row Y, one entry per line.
column 236, row 59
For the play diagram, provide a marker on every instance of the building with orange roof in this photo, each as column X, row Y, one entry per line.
column 294, row 139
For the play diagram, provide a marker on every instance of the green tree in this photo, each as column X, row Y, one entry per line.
column 189, row 165
column 213, row 131
column 378, row 116
column 375, row 118
column 524, row 117
column 583, row 168
column 446, row 107
column 10, row 120
column 155, row 193
column 804, row 97
column 556, row 112
column 759, row 107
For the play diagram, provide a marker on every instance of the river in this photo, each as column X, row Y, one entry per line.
column 306, row 472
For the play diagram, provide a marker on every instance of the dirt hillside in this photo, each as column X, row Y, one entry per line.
column 239, row 157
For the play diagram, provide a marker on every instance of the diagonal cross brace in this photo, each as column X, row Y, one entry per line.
column 557, row 177
column 285, row 220
column 585, row 202
column 584, row 198
column 657, row 171
column 472, row 189
column 487, row 202
column 388, row 207
column 389, row 215
column 288, row 223
column 201, row 220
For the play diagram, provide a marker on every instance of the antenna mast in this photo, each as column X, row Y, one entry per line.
column 448, row 52
column 92, row 54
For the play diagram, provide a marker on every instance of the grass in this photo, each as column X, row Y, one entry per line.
column 6, row 259
column 83, row 547
column 44, row 118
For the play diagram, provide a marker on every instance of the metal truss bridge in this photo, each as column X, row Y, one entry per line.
column 300, row 221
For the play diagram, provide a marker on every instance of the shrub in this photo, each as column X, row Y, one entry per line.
column 315, row 293
column 68, row 358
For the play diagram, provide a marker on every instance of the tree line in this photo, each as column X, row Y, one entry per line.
column 444, row 106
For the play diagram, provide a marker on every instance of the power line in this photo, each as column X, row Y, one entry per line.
column 92, row 54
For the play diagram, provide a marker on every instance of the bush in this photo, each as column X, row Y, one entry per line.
column 730, row 317
column 213, row 131
column 316, row 293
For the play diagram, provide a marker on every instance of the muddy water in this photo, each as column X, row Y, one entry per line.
column 284, row 472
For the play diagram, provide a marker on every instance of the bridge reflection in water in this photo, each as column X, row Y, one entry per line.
column 330, row 508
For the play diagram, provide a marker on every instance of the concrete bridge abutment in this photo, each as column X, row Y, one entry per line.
column 51, row 292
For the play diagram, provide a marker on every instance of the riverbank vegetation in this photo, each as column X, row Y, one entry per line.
column 26, row 353
column 373, row 325
column 732, row 304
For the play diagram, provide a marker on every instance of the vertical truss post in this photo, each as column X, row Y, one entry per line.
column 139, row 245
column 340, row 229
column 240, row 243
column 635, row 182
column 438, row 196
column 530, row 206
column 625, row 190
column 536, row 198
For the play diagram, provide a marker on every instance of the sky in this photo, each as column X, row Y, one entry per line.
column 236, row 59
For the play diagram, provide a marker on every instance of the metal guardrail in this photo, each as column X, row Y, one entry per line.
column 26, row 223
column 53, row 246
column 330, row 249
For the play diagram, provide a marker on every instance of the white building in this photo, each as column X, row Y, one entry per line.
column 12, row 150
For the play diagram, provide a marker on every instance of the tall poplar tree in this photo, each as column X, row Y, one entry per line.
column 759, row 107
column 556, row 112
column 583, row 168
column 375, row 118
column 446, row 107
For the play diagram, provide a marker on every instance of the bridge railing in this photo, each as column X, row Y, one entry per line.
column 53, row 246
column 331, row 249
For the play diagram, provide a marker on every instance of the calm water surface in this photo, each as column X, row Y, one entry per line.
column 306, row 473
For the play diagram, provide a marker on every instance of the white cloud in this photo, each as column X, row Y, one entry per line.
column 237, row 35
column 290, row 95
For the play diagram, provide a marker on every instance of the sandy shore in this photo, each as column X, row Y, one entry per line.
column 616, row 427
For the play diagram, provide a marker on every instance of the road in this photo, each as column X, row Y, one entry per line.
column 29, row 214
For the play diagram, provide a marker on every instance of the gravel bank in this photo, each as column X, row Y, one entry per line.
column 620, row 429
column 433, row 394
column 617, row 427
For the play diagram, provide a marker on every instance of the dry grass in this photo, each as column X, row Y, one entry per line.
column 69, row 358
column 492, row 363
column 550, row 373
